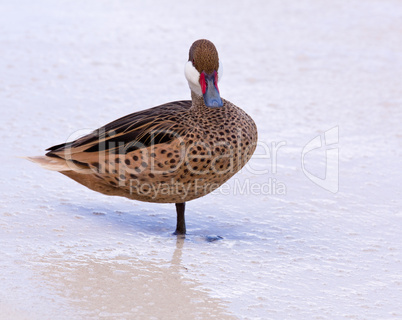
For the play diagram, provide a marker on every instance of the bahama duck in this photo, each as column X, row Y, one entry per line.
column 172, row 153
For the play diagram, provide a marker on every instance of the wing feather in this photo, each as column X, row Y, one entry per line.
column 138, row 130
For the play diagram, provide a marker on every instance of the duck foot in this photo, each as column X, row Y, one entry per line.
column 181, row 222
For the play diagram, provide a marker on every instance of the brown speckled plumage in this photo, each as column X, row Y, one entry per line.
column 172, row 153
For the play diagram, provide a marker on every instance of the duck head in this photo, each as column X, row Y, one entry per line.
column 203, row 72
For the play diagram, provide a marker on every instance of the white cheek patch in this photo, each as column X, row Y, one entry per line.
column 193, row 78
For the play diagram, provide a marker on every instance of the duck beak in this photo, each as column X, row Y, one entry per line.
column 210, row 91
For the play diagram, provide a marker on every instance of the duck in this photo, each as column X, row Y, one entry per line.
column 172, row 153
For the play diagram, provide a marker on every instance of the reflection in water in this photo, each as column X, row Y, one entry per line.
column 176, row 259
column 127, row 287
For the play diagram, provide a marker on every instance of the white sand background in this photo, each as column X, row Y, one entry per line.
column 299, row 68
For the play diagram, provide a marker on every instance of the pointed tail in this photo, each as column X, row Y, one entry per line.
column 51, row 163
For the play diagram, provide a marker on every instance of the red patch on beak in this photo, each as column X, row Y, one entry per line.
column 216, row 80
column 203, row 83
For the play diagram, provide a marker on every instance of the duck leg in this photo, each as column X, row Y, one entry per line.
column 181, row 222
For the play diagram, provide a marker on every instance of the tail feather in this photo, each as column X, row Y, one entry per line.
column 51, row 163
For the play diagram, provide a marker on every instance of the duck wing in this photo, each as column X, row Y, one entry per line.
column 142, row 129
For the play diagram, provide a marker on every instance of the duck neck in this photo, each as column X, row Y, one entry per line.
column 197, row 102
column 203, row 115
